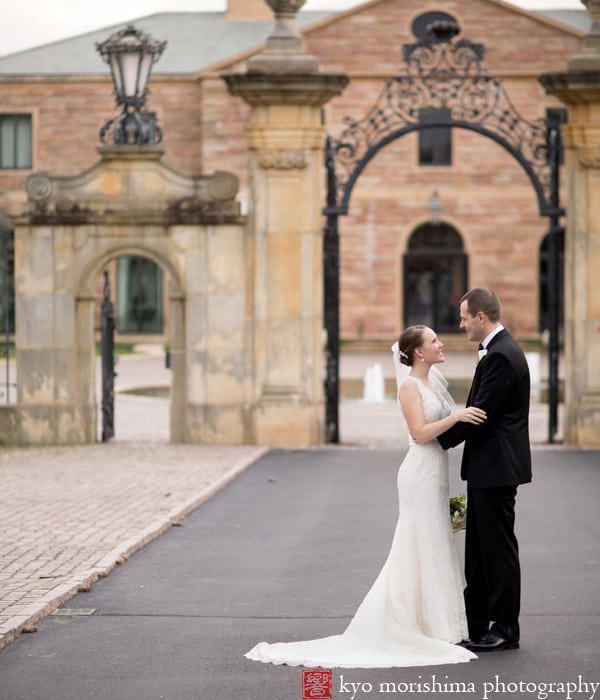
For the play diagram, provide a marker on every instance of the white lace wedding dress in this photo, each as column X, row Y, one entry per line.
column 414, row 613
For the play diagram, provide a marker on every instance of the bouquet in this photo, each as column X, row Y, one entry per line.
column 458, row 512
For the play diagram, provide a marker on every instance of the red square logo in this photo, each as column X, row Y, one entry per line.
column 316, row 683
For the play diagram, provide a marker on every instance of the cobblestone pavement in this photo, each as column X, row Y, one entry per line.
column 68, row 515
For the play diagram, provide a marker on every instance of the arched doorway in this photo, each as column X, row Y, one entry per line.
column 435, row 275
column 192, row 230
column 137, row 400
column 149, row 397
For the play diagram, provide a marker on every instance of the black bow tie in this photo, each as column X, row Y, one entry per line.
column 480, row 347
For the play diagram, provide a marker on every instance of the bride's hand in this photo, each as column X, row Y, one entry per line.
column 471, row 414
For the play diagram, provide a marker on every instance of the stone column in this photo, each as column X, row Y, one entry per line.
column 286, row 139
column 579, row 88
column 50, row 357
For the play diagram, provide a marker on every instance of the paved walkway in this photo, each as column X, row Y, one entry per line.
column 287, row 551
column 69, row 515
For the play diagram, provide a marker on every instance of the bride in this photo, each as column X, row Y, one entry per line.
column 414, row 613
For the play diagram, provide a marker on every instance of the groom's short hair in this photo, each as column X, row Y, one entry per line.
column 484, row 300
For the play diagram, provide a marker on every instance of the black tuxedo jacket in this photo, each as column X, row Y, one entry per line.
column 497, row 453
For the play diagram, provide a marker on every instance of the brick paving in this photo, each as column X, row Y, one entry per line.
column 68, row 515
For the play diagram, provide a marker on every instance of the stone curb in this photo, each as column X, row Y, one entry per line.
column 15, row 626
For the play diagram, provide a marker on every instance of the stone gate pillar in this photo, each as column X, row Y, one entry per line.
column 579, row 88
column 286, row 140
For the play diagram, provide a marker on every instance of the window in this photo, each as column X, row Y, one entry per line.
column 435, row 277
column 139, row 296
column 15, row 141
column 435, row 143
column 420, row 26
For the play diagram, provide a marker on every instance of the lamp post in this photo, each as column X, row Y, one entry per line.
column 130, row 54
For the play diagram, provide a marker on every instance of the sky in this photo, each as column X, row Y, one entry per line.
column 28, row 23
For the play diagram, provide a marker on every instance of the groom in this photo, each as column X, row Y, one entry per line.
column 496, row 459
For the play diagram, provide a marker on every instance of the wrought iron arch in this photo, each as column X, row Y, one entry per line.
column 540, row 186
column 448, row 74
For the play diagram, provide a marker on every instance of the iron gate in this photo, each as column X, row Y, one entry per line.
column 7, row 299
column 107, row 344
column 447, row 74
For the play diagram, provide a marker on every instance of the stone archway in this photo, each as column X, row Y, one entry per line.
column 86, row 297
column 130, row 203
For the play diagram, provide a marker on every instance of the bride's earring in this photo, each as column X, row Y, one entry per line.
column 422, row 359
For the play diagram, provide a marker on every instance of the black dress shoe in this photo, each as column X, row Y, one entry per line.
column 464, row 643
column 493, row 642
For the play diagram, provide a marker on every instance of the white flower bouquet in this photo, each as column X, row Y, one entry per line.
column 458, row 512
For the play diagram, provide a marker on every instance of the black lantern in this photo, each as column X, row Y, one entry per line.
column 130, row 54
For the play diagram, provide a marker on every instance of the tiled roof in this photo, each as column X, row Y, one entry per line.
column 195, row 40
column 579, row 19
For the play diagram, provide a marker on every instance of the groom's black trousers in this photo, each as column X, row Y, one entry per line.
column 492, row 570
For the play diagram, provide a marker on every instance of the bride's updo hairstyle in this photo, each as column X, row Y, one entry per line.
column 410, row 339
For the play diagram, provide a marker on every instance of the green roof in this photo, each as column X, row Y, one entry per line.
column 195, row 40
column 579, row 19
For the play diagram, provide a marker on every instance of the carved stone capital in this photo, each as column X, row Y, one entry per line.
column 573, row 89
column 282, row 159
column 311, row 90
column 585, row 140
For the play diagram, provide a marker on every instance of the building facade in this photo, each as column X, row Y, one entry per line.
column 398, row 266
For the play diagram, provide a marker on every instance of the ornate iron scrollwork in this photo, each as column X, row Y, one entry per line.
column 449, row 76
column 132, row 127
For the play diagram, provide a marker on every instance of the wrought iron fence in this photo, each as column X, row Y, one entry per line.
column 7, row 316
column 107, row 328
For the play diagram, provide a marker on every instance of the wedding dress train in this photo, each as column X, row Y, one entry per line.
column 413, row 614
